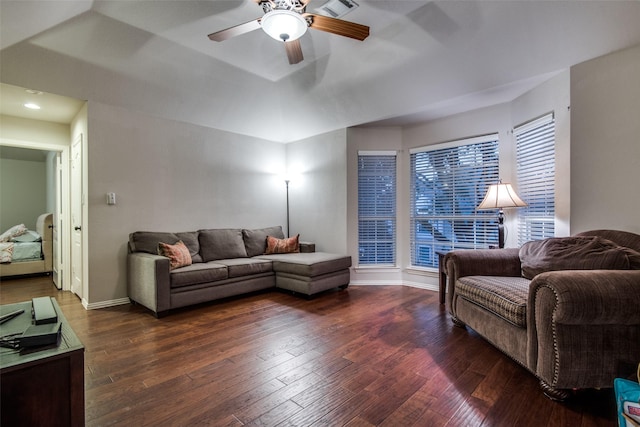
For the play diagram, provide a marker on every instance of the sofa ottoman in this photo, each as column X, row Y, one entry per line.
column 310, row 273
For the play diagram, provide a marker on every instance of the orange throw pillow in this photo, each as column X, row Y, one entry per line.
column 282, row 246
column 178, row 254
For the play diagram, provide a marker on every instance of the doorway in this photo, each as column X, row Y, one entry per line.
column 54, row 160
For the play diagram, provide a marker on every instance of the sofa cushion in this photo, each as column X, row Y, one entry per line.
column 196, row 274
column 147, row 241
column 255, row 241
column 222, row 243
column 575, row 253
column 502, row 295
column 237, row 267
column 178, row 254
column 190, row 239
column 308, row 264
column 282, row 246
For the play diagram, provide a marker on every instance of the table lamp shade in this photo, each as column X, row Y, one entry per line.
column 500, row 196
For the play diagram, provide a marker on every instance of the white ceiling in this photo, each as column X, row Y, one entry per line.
column 423, row 59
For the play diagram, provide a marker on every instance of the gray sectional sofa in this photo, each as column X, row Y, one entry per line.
column 225, row 262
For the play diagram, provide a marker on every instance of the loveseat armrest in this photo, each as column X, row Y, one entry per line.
column 583, row 326
column 148, row 281
column 590, row 297
column 307, row 247
column 480, row 262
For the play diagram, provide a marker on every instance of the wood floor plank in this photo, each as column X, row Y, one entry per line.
column 366, row 356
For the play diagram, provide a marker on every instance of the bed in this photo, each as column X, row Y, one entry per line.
column 32, row 257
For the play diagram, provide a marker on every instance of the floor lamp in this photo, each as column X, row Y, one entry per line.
column 500, row 196
column 286, row 181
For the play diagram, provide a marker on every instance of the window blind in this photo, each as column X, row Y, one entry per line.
column 535, row 154
column 447, row 183
column 377, row 208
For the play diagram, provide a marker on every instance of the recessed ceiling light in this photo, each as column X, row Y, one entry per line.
column 32, row 106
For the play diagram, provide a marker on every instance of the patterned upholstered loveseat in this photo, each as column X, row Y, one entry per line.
column 567, row 309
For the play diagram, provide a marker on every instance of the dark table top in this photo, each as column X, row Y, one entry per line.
column 11, row 359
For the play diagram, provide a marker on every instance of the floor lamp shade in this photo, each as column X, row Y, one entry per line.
column 500, row 196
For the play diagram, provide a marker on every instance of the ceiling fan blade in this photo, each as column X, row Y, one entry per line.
column 294, row 51
column 235, row 31
column 337, row 26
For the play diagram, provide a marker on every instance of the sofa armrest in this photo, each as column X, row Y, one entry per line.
column 307, row 247
column 583, row 321
column 589, row 297
column 480, row 262
column 148, row 280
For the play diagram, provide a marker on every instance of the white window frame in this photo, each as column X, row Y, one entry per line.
column 380, row 211
column 459, row 224
column 535, row 159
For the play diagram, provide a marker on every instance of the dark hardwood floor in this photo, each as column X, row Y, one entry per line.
column 367, row 356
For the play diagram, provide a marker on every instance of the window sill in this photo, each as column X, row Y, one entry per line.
column 376, row 269
column 422, row 271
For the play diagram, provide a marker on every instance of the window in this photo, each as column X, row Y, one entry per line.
column 377, row 208
column 535, row 154
column 448, row 181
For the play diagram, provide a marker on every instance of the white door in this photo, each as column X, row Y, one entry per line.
column 77, row 201
column 57, row 225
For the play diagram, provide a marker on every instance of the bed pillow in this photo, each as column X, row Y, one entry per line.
column 28, row 236
column 282, row 246
column 6, row 252
column 575, row 253
column 15, row 231
column 178, row 254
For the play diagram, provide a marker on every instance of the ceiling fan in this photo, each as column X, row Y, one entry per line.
column 287, row 21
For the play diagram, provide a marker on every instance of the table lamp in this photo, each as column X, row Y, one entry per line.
column 500, row 196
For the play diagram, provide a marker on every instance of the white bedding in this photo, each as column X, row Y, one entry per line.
column 27, row 251
column 26, row 247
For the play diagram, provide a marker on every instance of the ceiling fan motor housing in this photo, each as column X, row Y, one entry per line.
column 283, row 20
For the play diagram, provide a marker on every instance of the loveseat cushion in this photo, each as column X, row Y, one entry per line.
column 255, row 240
column 196, row 274
column 222, row 243
column 575, row 253
column 308, row 264
column 147, row 241
column 237, row 267
column 502, row 295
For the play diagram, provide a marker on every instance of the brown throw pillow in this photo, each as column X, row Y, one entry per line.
column 282, row 246
column 178, row 254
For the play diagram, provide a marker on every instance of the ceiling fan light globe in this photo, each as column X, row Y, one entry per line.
column 284, row 25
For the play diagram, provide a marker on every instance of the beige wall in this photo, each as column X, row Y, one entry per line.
column 170, row 176
column 605, row 142
column 318, row 196
column 22, row 192
column 28, row 188
column 17, row 129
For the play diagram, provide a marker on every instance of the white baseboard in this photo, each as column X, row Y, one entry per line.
column 104, row 304
column 425, row 286
column 122, row 301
